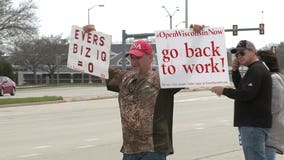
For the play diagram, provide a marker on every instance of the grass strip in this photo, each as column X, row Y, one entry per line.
column 29, row 99
column 28, row 86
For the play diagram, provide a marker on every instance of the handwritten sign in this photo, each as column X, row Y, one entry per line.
column 192, row 59
column 89, row 52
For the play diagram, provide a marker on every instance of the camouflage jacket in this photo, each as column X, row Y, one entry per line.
column 146, row 111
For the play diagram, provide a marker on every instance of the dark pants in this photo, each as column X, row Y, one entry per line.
column 145, row 156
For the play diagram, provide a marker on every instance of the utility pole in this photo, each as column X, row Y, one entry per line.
column 186, row 14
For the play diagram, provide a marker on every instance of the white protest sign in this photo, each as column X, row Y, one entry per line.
column 89, row 52
column 192, row 59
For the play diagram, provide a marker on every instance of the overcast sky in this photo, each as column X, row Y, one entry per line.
column 146, row 16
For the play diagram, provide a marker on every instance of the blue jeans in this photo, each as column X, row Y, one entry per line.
column 145, row 156
column 253, row 141
column 270, row 153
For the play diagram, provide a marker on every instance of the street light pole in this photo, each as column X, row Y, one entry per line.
column 186, row 13
column 180, row 23
column 100, row 5
column 170, row 15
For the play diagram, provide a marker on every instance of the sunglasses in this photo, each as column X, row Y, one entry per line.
column 240, row 53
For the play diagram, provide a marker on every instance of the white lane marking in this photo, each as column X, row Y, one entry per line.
column 226, row 122
column 198, row 126
column 92, row 139
column 29, row 155
column 195, row 99
column 85, row 146
column 42, row 147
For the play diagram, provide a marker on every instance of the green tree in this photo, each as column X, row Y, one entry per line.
column 6, row 69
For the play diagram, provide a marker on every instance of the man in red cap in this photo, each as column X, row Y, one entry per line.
column 146, row 109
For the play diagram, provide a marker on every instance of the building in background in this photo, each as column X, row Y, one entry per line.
column 66, row 75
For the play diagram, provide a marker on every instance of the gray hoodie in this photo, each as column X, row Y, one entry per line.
column 276, row 133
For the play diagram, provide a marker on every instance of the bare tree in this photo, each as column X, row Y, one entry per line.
column 28, row 55
column 55, row 51
column 17, row 22
column 46, row 54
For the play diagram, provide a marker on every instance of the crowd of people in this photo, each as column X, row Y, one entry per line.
column 146, row 109
column 258, row 102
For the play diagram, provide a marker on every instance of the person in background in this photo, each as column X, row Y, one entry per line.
column 146, row 109
column 276, row 133
column 252, row 100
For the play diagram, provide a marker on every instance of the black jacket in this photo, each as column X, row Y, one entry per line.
column 252, row 96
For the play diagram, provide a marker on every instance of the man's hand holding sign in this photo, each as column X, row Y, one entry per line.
column 89, row 51
column 187, row 58
column 146, row 108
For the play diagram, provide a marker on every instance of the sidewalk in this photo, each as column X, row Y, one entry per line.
column 97, row 93
column 88, row 98
column 103, row 93
column 71, row 94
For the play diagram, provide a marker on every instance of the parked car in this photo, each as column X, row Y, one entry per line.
column 7, row 86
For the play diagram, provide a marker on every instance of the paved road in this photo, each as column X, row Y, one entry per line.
column 86, row 130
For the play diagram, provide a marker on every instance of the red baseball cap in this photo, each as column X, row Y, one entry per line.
column 139, row 48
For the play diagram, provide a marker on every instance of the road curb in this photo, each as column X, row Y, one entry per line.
column 89, row 98
column 65, row 99
column 27, row 104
